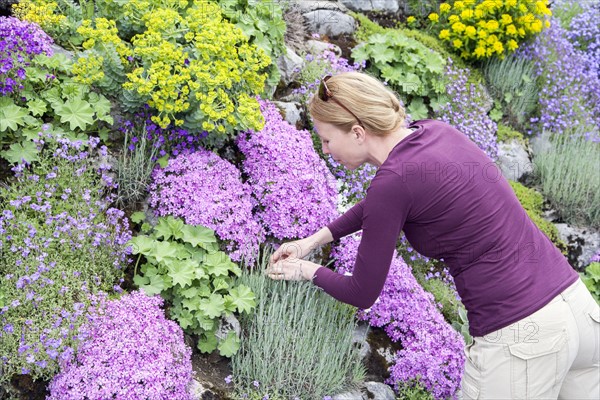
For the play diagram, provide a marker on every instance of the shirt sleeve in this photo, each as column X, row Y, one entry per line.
column 384, row 213
column 347, row 223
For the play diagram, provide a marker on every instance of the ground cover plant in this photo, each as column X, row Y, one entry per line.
column 129, row 351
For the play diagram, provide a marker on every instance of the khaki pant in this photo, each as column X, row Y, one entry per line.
column 553, row 353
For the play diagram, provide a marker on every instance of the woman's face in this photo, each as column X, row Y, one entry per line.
column 344, row 147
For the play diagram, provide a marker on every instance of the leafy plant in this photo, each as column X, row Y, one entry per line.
column 506, row 134
column 183, row 265
column 570, row 177
column 591, row 278
column 462, row 326
column 409, row 67
column 297, row 342
column 512, row 83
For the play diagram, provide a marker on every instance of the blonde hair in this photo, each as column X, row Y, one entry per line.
column 377, row 106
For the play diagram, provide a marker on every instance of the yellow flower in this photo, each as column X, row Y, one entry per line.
column 541, row 8
column 444, row 34
column 458, row 27
column 511, row 30
column 470, row 31
column 453, row 18
column 506, row 19
column 410, row 20
column 511, row 3
column 466, row 14
column 459, row 5
column 536, row 26
column 434, row 17
column 492, row 39
column 457, row 43
column 479, row 52
column 512, row 45
column 523, row 8
column 469, row 2
column 547, row 24
column 498, row 47
column 522, row 32
column 482, row 34
column 479, row 13
column 444, row 8
column 492, row 25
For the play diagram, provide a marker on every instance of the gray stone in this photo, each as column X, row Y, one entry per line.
column 230, row 322
column 540, row 144
column 379, row 391
column 513, row 160
column 314, row 5
column 359, row 339
column 201, row 390
column 387, row 353
column 319, row 47
column 291, row 112
column 330, row 22
column 583, row 244
column 56, row 49
column 352, row 395
column 390, row 6
column 290, row 65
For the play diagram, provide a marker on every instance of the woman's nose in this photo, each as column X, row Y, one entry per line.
column 325, row 148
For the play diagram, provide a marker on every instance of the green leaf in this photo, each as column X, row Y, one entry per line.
column 52, row 95
column 191, row 304
column 142, row 244
column 138, row 217
column 165, row 251
column 417, row 109
column 157, row 285
column 206, row 324
column 102, row 107
column 593, row 270
column 220, row 284
column 382, row 53
column 198, row 235
column 438, row 102
column 77, row 112
column 435, row 63
column 214, row 306
column 185, row 319
column 36, row 107
column 163, row 229
column 207, row 342
column 230, row 345
column 21, row 151
column 182, row 272
column 11, row 115
column 217, row 263
column 191, row 292
column 243, row 298
column 175, row 224
column 163, row 161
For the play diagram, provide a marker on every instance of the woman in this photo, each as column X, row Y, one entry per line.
column 536, row 328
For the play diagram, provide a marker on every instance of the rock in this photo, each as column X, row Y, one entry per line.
column 387, row 353
column 230, row 322
column 513, row 160
column 291, row 112
column 56, row 49
column 319, row 47
column 330, row 22
column 306, row 6
column 289, row 64
column 388, row 6
column 379, row 391
column 540, row 144
column 359, row 339
column 352, row 395
column 199, row 391
column 582, row 244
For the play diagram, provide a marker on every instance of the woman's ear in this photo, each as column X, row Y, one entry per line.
column 359, row 133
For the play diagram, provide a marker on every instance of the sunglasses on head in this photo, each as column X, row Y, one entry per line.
column 325, row 94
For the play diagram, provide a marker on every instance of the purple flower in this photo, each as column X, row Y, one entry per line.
column 228, row 379
column 256, row 384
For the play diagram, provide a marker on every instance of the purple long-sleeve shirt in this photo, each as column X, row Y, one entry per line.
column 451, row 201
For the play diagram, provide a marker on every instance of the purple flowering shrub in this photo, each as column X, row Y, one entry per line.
column 467, row 109
column 60, row 240
column 584, row 32
column 570, row 95
column 293, row 188
column 432, row 350
column 129, row 351
column 204, row 189
column 20, row 41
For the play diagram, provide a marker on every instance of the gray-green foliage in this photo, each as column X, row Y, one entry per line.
column 297, row 342
column 134, row 168
column 183, row 265
column 413, row 391
column 413, row 70
column 569, row 173
column 512, row 83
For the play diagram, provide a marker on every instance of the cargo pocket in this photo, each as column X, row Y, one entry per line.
column 534, row 366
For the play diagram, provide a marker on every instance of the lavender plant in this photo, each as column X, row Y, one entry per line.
column 203, row 189
column 294, row 198
column 432, row 351
column 129, row 351
column 20, row 41
column 467, row 109
column 60, row 240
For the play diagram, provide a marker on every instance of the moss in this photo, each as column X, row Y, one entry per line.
column 366, row 27
column 532, row 203
column 506, row 134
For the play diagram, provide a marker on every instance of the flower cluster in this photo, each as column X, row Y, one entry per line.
column 482, row 29
column 20, row 41
column 294, row 190
column 584, row 32
column 468, row 109
column 59, row 241
column 203, row 189
column 432, row 350
column 129, row 351
column 570, row 94
column 40, row 12
column 595, row 258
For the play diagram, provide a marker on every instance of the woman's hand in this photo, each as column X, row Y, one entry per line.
column 301, row 248
column 292, row 269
